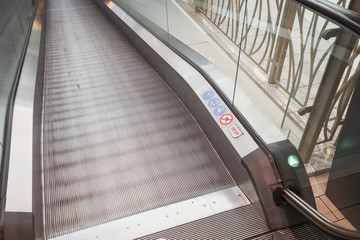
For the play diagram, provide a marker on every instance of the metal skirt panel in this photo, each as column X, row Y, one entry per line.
column 116, row 140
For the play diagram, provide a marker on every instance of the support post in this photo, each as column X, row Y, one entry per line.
column 199, row 5
column 338, row 61
column 330, row 81
column 284, row 37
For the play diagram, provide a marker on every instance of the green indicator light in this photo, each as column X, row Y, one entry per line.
column 293, row 161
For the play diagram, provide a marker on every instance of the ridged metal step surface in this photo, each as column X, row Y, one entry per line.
column 116, row 140
column 302, row 232
column 240, row 223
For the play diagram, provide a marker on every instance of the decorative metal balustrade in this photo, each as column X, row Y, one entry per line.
column 260, row 25
column 274, row 38
column 342, row 97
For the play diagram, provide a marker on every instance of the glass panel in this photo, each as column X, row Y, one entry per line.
column 123, row 4
column 312, row 77
column 189, row 24
column 216, row 29
column 298, row 68
column 343, row 188
column 151, row 13
column 15, row 22
column 153, row 10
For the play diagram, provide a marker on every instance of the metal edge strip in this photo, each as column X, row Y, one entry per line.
column 19, row 190
column 38, row 164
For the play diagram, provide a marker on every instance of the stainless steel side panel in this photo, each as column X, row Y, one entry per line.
column 19, row 189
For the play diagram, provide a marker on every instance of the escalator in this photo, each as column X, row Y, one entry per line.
column 114, row 141
column 117, row 141
column 130, row 141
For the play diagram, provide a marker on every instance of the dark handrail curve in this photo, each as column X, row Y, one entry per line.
column 316, row 218
column 342, row 16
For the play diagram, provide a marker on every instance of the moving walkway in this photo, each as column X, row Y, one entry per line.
column 131, row 140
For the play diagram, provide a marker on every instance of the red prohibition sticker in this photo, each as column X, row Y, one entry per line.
column 226, row 119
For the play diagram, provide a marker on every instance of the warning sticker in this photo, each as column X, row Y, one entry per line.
column 235, row 131
column 214, row 102
column 220, row 110
column 226, row 119
column 208, row 95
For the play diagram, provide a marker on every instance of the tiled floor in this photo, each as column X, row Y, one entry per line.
column 324, row 204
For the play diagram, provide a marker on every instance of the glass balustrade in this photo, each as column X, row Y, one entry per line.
column 297, row 67
column 15, row 22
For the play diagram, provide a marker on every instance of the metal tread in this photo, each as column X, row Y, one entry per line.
column 240, row 223
column 302, row 232
column 116, row 140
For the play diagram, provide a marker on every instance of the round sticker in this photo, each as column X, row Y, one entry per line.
column 226, row 119
column 214, row 102
column 220, row 110
column 208, row 95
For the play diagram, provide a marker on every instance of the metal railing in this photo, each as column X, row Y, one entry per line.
column 326, row 75
column 260, row 26
column 350, row 21
column 274, row 40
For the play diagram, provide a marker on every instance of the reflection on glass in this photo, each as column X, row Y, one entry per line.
column 153, row 10
column 343, row 186
column 15, row 21
column 151, row 13
column 188, row 25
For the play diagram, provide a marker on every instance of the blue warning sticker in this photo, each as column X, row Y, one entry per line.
column 220, row 110
column 208, row 95
column 214, row 102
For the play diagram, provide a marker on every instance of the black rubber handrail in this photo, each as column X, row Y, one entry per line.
column 316, row 218
column 337, row 14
